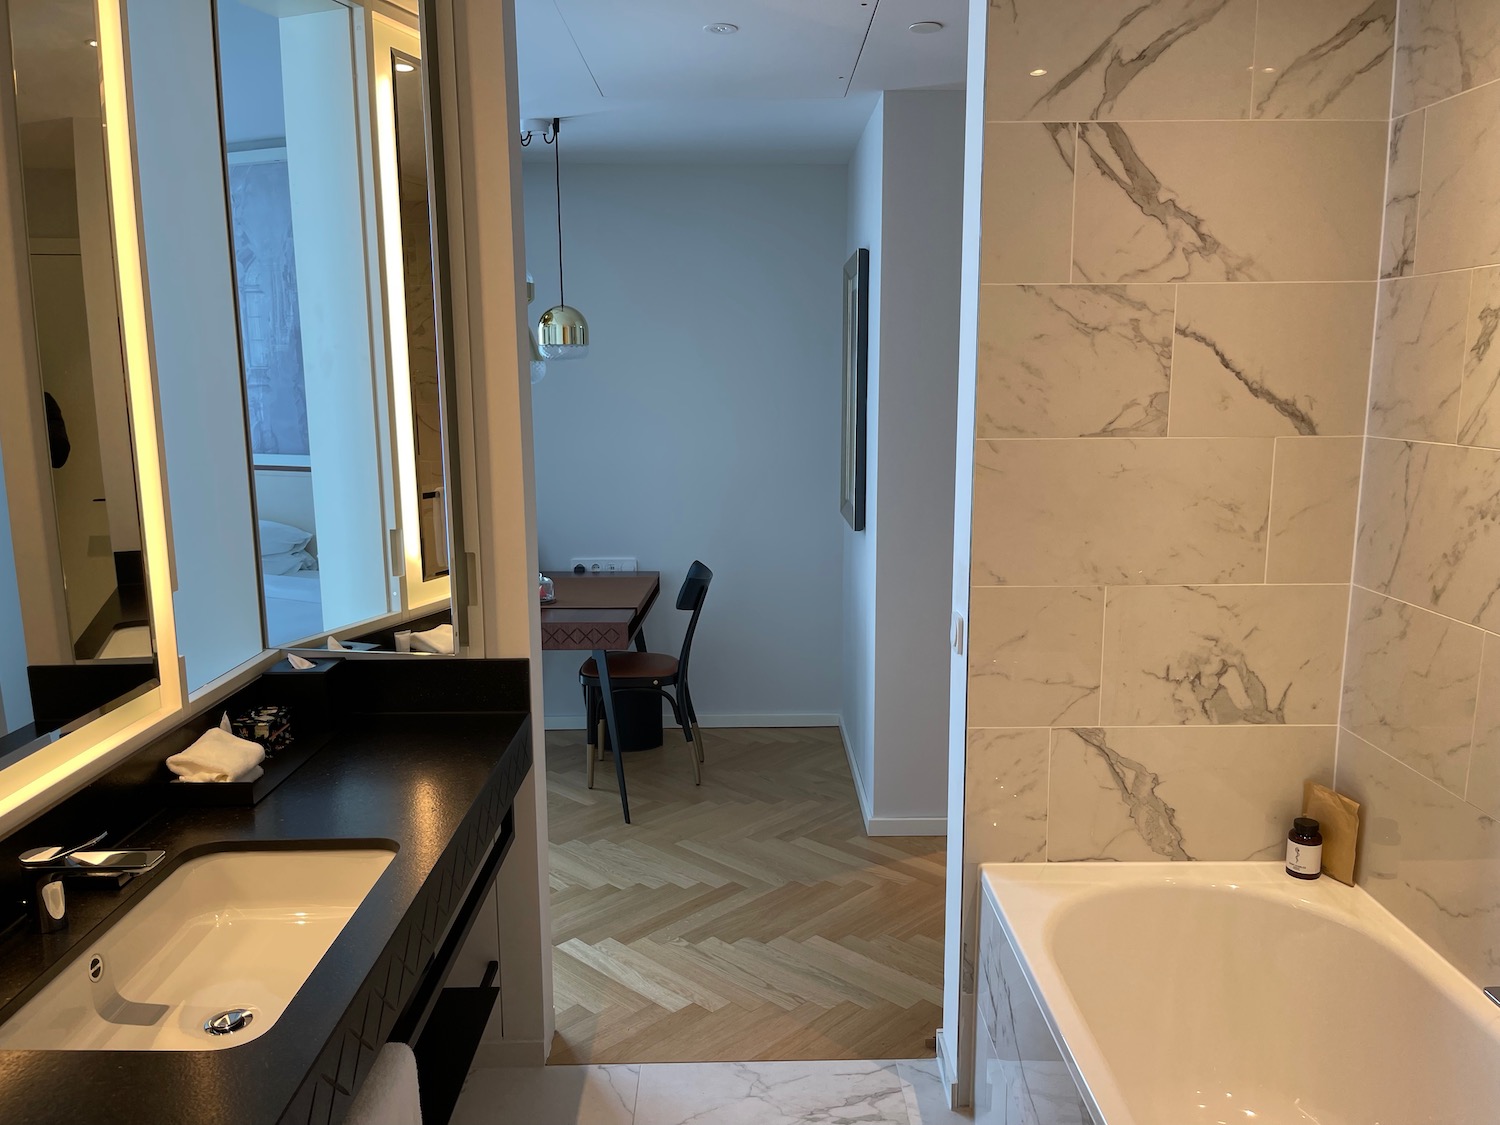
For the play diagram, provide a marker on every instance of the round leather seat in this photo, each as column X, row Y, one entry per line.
column 648, row 666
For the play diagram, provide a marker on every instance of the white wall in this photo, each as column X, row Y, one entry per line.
column 866, row 181
column 704, row 423
column 906, row 197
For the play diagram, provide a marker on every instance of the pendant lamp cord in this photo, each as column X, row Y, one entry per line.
column 562, row 293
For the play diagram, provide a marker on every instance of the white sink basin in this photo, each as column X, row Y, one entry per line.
column 224, row 932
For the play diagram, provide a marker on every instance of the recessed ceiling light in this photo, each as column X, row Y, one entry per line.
column 925, row 27
column 721, row 28
column 1038, row 72
column 404, row 68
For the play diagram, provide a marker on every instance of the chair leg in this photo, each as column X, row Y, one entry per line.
column 698, row 742
column 590, row 736
column 687, row 703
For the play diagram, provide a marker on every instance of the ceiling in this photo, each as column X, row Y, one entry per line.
column 644, row 81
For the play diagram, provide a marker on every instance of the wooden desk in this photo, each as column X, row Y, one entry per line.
column 600, row 613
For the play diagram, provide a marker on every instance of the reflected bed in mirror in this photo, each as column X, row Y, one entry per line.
column 75, row 624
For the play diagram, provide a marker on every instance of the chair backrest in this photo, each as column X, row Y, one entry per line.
column 691, row 597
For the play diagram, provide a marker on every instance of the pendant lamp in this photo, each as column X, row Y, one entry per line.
column 562, row 333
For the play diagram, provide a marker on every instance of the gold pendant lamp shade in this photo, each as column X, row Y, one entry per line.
column 562, row 333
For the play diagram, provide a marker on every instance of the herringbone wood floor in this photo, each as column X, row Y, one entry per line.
column 745, row 920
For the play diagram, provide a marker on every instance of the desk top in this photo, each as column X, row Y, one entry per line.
column 597, row 611
column 602, row 591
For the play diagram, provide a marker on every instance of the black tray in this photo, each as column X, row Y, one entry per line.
column 219, row 794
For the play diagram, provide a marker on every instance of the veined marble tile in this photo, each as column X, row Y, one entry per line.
column 1150, row 793
column 1074, row 360
column 1419, row 357
column 1428, row 857
column 1255, row 360
column 1094, row 512
column 1027, row 203
column 554, row 1095
column 1458, row 222
column 1479, row 403
column 1119, row 59
column 1483, row 790
column 1229, row 201
column 1403, row 188
column 1223, row 654
column 771, row 1093
column 1429, row 528
column 1444, row 47
column 1005, row 796
column 1329, row 59
column 1314, row 503
column 927, row 1094
column 1034, row 655
column 1411, row 684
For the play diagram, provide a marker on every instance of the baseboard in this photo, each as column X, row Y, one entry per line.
column 906, row 825
column 498, row 1053
column 773, row 719
column 865, row 811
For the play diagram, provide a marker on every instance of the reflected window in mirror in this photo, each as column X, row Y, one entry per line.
column 315, row 402
column 75, row 623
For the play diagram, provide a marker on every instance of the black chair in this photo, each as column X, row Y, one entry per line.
column 654, row 672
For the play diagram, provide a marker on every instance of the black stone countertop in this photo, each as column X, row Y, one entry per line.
column 410, row 779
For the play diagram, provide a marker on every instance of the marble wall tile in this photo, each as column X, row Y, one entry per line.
column 1410, row 685
column 1229, row 201
column 1403, row 188
column 1330, row 59
column 1005, row 796
column 1479, row 402
column 1074, row 360
column 1444, row 47
column 1089, row 512
column 1419, row 357
column 1428, row 857
column 1429, row 528
column 1154, row 793
column 927, row 1094
column 1483, row 790
column 771, row 1093
column 1119, row 59
column 1314, row 502
column 1034, row 655
column 1458, row 213
column 1271, row 359
column 1027, row 204
column 1223, row 654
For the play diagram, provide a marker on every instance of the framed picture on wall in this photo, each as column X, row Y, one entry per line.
column 856, row 388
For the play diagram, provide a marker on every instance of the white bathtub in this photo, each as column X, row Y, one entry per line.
column 1218, row 993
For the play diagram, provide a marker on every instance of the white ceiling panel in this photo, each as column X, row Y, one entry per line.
column 659, row 48
column 896, row 58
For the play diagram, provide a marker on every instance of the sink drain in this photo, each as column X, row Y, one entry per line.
column 227, row 1023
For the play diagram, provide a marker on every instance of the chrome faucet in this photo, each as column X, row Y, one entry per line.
column 49, row 906
column 1493, row 992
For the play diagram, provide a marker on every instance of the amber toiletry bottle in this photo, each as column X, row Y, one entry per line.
column 1304, row 849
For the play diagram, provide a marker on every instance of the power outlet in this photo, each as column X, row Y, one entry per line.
column 604, row 566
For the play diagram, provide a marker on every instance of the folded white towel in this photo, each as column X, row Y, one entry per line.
column 301, row 663
column 388, row 1095
column 333, row 645
column 438, row 640
column 219, row 756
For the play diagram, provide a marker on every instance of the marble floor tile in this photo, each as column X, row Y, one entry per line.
column 1229, row 201
column 1428, row 532
column 1119, row 59
column 1403, row 187
column 1314, row 506
column 1479, row 402
column 1074, row 360
column 1458, row 223
column 1034, row 655
column 1325, row 60
column 1092, row 511
column 549, row 1095
column 1223, row 655
column 1027, row 203
column 1180, row 793
column 1005, row 796
column 1428, row 857
column 788, row 1093
column 1418, row 364
column 1283, row 359
column 927, row 1094
column 1410, row 685
column 1444, row 47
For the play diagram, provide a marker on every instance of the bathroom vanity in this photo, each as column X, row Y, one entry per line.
column 420, row 770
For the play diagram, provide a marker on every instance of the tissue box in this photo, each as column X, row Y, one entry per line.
column 269, row 725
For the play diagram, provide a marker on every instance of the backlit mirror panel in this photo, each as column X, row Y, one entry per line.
column 75, row 626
